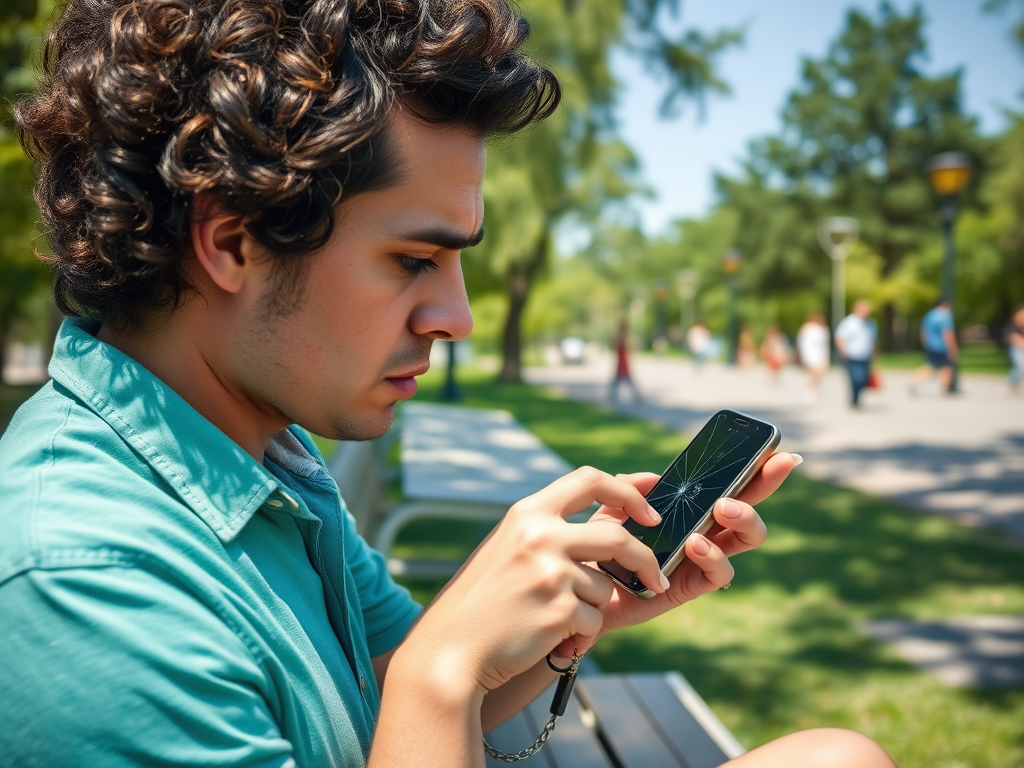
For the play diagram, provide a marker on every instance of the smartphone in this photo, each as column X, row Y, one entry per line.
column 723, row 457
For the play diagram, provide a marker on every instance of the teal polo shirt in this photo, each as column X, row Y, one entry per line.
column 165, row 600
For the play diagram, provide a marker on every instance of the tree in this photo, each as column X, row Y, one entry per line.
column 573, row 167
column 22, row 276
column 857, row 136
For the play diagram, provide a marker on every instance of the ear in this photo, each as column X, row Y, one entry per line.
column 221, row 244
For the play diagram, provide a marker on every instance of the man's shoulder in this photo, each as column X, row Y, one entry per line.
column 69, row 484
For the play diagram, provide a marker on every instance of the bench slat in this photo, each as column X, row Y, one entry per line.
column 627, row 727
column 511, row 736
column 573, row 744
column 687, row 735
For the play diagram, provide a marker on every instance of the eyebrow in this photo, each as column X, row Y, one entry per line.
column 442, row 237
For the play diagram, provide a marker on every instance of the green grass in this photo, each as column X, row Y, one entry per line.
column 780, row 650
column 973, row 359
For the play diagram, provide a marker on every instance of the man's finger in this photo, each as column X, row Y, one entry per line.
column 713, row 569
column 582, row 487
column 768, row 480
column 600, row 542
column 738, row 527
column 642, row 481
column 592, row 587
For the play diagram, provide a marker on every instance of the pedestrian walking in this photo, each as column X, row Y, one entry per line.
column 699, row 342
column 746, row 349
column 622, row 375
column 812, row 347
column 1013, row 334
column 938, row 340
column 855, row 342
column 774, row 352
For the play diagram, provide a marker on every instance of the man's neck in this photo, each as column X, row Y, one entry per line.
column 171, row 353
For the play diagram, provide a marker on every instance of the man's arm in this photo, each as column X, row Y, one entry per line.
column 952, row 349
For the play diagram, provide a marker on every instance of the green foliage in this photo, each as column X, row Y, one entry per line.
column 23, row 279
column 857, row 135
column 573, row 168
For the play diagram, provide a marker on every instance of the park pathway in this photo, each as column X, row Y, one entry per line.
column 959, row 456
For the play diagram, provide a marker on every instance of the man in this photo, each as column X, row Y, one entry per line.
column 938, row 340
column 855, row 342
column 257, row 212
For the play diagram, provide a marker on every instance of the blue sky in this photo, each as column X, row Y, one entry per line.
column 680, row 156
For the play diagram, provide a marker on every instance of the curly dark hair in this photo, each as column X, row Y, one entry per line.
column 276, row 108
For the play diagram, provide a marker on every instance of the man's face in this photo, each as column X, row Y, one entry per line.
column 387, row 284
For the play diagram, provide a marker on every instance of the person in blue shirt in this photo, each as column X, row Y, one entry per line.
column 257, row 212
column 938, row 340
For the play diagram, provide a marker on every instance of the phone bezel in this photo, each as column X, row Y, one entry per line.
column 706, row 522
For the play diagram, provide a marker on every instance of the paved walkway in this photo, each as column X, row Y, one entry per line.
column 959, row 456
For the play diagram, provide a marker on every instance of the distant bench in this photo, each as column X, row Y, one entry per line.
column 456, row 463
column 473, row 464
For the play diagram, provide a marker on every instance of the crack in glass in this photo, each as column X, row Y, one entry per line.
column 688, row 490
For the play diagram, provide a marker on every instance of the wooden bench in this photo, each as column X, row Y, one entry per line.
column 457, row 463
column 651, row 720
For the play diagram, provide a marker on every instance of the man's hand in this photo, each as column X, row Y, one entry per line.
column 524, row 590
column 738, row 528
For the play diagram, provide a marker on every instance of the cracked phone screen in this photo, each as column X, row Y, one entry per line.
column 700, row 476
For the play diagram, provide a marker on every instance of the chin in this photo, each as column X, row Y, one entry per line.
column 362, row 427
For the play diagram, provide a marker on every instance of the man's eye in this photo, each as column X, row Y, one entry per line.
column 415, row 266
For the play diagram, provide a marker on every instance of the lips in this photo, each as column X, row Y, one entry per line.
column 419, row 370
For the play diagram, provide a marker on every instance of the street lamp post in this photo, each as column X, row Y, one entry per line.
column 686, row 285
column 838, row 235
column 451, row 391
column 731, row 261
column 660, row 341
column 949, row 173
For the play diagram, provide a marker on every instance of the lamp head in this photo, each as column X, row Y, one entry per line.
column 731, row 261
column 838, row 235
column 950, row 172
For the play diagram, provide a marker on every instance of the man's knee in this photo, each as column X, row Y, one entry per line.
column 818, row 748
column 840, row 748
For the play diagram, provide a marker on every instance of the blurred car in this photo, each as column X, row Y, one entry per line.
column 574, row 350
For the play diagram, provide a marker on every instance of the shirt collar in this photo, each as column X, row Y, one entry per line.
column 211, row 473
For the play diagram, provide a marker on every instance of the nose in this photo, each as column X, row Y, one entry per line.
column 444, row 313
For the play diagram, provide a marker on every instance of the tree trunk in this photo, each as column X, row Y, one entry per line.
column 520, row 280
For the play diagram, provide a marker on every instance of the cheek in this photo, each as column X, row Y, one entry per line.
column 355, row 312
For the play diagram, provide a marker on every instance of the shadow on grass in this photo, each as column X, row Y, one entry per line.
column 871, row 552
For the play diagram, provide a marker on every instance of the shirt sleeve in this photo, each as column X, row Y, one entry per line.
column 114, row 666
column 388, row 609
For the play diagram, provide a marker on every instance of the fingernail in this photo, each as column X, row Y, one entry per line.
column 700, row 544
column 664, row 580
column 730, row 508
column 654, row 513
column 797, row 459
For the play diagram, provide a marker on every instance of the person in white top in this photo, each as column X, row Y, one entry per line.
column 855, row 341
column 698, row 340
column 813, row 344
